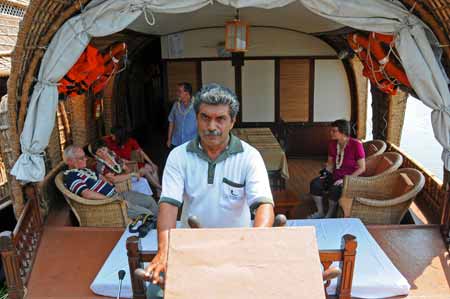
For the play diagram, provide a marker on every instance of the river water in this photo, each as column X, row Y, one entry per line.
column 417, row 135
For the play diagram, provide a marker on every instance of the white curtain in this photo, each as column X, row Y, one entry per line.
column 99, row 18
column 267, row 4
column 418, row 48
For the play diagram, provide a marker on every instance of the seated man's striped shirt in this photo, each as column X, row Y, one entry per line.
column 78, row 180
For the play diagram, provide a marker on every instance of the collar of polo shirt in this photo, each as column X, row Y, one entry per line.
column 234, row 147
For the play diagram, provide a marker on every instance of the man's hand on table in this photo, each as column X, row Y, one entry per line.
column 167, row 219
column 157, row 266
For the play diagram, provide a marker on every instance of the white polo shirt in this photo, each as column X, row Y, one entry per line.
column 221, row 192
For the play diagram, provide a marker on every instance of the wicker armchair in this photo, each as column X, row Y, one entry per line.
column 374, row 147
column 382, row 164
column 382, row 199
column 98, row 213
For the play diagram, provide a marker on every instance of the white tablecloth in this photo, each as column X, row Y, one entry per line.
column 375, row 276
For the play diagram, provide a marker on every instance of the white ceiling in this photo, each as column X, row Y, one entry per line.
column 292, row 16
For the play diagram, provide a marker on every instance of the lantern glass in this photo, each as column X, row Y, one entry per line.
column 241, row 38
column 236, row 36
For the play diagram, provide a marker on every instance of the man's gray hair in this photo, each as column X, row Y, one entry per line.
column 69, row 152
column 215, row 94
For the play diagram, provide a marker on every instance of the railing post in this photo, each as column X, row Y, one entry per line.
column 134, row 261
column 10, row 260
column 36, row 197
column 349, row 245
column 445, row 216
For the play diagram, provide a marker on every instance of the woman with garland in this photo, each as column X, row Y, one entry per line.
column 114, row 169
column 345, row 157
column 123, row 146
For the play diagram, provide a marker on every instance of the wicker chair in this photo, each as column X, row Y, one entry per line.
column 374, row 147
column 98, row 213
column 382, row 164
column 382, row 199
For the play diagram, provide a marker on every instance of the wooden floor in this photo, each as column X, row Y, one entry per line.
column 301, row 172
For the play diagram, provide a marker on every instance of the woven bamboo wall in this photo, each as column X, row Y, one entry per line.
column 54, row 147
column 361, row 83
column 380, row 110
column 84, row 129
column 8, row 157
column 108, row 106
column 388, row 114
column 65, row 133
column 396, row 117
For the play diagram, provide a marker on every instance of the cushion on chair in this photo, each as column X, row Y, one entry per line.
column 404, row 184
column 383, row 164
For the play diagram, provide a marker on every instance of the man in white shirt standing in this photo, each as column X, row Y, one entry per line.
column 216, row 176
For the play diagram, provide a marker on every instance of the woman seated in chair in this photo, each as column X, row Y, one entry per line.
column 115, row 170
column 345, row 157
column 123, row 145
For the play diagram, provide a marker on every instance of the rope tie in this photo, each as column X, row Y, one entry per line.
column 146, row 10
column 445, row 109
column 46, row 82
column 28, row 152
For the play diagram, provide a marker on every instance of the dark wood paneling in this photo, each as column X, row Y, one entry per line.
column 353, row 96
column 312, row 68
column 199, row 77
column 185, row 71
column 165, row 81
column 256, row 125
column 307, row 139
column 277, row 90
column 238, row 89
column 250, row 58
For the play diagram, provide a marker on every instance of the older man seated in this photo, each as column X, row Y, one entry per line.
column 89, row 184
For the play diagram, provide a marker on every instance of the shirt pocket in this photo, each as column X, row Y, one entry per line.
column 233, row 194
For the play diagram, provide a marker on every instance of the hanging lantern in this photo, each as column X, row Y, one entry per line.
column 236, row 35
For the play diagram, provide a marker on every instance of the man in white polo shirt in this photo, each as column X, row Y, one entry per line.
column 217, row 177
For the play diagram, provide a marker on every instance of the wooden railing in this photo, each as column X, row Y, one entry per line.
column 18, row 249
column 432, row 200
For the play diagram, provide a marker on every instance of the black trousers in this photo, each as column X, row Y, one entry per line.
column 319, row 186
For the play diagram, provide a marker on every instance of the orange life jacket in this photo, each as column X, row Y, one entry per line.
column 112, row 59
column 378, row 66
column 90, row 68
column 74, row 81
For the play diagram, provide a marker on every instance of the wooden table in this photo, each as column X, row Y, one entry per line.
column 272, row 153
column 69, row 258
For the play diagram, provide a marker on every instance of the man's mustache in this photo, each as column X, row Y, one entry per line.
column 212, row 133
